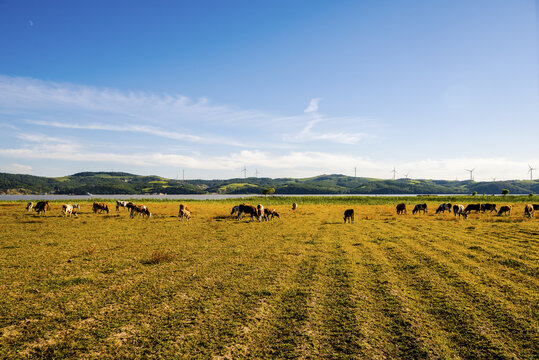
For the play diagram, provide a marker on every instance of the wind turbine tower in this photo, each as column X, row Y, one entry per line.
column 471, row 173
column 244, row 171
column 256, row 173
column 394, row 172
column 531, row 171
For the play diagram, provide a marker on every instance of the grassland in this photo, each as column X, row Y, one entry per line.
column 306, row 286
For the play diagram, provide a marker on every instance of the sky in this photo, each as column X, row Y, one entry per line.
column 204, row 89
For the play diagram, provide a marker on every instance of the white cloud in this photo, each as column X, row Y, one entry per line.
column 313, row 106
column 16, row 169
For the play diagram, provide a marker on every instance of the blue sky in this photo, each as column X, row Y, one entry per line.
column 285, row 88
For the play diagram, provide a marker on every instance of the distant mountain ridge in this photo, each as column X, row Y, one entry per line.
column 105, row 183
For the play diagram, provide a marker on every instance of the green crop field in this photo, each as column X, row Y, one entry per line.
column 305, row 286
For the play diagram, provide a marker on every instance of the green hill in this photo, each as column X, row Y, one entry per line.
column 125, row 183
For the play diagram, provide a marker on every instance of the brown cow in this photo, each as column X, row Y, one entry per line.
column 140, row 210
column 349, row 216
column 505, row 209
column 100, row 207
column 247, row 209
column 401, row 209
column 272, row 213
column 294, row 206
column 529, row 211
column 185, row 212
column 42, row 206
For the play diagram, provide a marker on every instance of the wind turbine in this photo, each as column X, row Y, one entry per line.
column 494, row 179
column 256, row 173
column 244, row 171
column 406, row 176
column 471, row 173
column 531, row 171
column 394, row 172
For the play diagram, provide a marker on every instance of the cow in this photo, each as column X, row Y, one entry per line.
column 76, row 207
column 294, row 206
column 123, row 204
column 401, row 209
column 140, row 210
column 100, row 207
column 247, row 209
column 235, row 210
column 184, row 212
column 185, row 207
column 260, row 212
column 270, row 213
column 529, row 211
column 535, row 206
column 29, row 206
column 488, row 207
column 420, row 207
column 459, row 210
column 473, row 207
column 443, row 207
column 505, row 209
column 42, row 206
column 67, row 210
column 349, row 216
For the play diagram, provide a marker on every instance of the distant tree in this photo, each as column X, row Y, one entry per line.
column 505, row 192
column 268, row 191
column 474, row 193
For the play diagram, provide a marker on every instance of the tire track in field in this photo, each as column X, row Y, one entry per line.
column 340, row 330
column 284, row 333
column 457, row 251
column 452, row 298
column 401, row 316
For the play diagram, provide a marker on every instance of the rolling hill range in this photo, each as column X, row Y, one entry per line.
column 125, row 183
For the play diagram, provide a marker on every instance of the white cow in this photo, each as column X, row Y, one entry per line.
column 29, row 206
column 67, row 209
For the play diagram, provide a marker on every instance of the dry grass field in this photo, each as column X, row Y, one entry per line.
column 305, row 286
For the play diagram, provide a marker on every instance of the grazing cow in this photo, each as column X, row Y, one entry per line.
column 420, row 207
column 349, row 216
column 488, row 207
column 184, row 207
column 260, row 212
column 67, row 209
column 529, row 211
column 184, row 212
column 294, row 206
column 473, row 207
column 140, row 210
column 247, row 209
column 459, row 210
column 100, row 207
column 42, row 206
column 235, row 209
column 505, row 209
column 29, row 206
column 401, row 209
column 76, row 207
column 120, row 204
column 535, row 206
column 443, row 207
column 270, row 213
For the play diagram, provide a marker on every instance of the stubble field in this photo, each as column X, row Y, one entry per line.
column 304, row 286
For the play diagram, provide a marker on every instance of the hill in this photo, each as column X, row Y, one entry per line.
column 124, row 183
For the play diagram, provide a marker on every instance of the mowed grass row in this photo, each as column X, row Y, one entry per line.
column 303, row 286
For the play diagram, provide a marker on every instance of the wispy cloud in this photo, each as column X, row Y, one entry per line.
column 175, row 117
column 313, row 106
column 15, row 168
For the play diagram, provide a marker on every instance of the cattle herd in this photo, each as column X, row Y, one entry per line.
column 460, row 210
column 265, row 214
